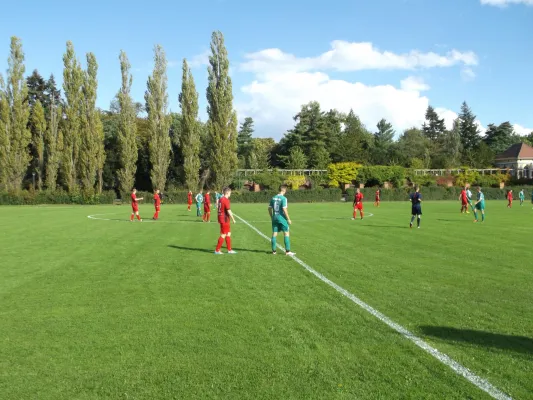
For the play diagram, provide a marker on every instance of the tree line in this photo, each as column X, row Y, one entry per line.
column 60, row 138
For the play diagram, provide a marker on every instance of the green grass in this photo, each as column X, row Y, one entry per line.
column 107, row 309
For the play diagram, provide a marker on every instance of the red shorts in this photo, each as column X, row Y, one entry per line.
column 358, row 206
column 464, row 202
column 135, row 207
column 189, row 203
column 158, row 208
column 377, row 198
column 207, row 208
column 225, row 228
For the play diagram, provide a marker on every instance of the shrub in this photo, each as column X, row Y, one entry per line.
column 424, row 180
column 295, row 181
column 342, row 173
column 269, row 179
column 377, row 175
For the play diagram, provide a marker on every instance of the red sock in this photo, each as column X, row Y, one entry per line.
column 361, row 214
column 131, row 218
column 355, row 214
column 208, row 217
column 228, row 243
column 219, row 244
column 138, row 217
column 156, row 215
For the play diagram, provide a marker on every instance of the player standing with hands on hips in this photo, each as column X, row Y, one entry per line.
column 416, row 207
column 224, row 215
column 358, row 204
column 277, row 209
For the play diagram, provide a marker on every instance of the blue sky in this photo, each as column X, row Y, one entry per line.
column 383, row 58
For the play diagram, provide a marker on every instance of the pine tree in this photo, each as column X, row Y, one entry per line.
column 383, row 140
column 127, row 132
column 297, row 159
column 38, row 122
column 72, row 87
column 52, row 95
column 452, row 146
column 36, row 89
column 53, row 144
column 222, row 122
column 434, row 127
column 244, row 141
column 190, row 129
column 469, row 132
column 500, row 137
column 156, row 98
column 19, row 135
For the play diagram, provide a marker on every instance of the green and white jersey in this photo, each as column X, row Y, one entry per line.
column 277, row 204
column 199, row 198
column 469, row 194
column 481, row 198
column 521, row 195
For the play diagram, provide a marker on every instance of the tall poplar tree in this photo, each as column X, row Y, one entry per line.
column 190, row 129
column 156, row 98
column 4, row 135
column 127, row 131
column 19, row 135
column 53, row 144
column 72, row 87
column 222, row 122
column 38, row 121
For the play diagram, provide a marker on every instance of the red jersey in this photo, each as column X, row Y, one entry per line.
column 509, row 196
column 358, row 197
column 133, row 199
column 223, row 208
column 157, row 200
column 189, row 198
column 463, row 195
column 207, row 199
column 377, row 194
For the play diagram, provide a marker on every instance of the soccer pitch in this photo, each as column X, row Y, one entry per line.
column 100, row 307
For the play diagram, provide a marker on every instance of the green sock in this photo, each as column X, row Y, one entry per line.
column 287, row 243
column 482, row 217
column 273, row 243
column 475, row 215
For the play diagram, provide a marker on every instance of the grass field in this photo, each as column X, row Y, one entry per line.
column 108, row 309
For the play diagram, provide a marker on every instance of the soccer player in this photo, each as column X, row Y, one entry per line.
column 378, row 194
column 521, row 196
column 224, row 215
column 510, row 198
column 416, row 207
column 469, row 198
column 277, row 209
column 358, row 204
column 464, row 200
column 479, row 205
column 217, row 199
column 157, row 204
column 189, row 201
column 135, row 205
column 199, row 200
column 207, row 207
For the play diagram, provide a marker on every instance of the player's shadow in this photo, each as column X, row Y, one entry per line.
column 385, row 226
column 519, row 344
column 173, row 246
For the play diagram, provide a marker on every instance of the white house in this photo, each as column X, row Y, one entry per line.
column 518, row 158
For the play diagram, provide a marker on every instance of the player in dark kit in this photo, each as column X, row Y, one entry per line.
column 224, row 215
column 416, row 207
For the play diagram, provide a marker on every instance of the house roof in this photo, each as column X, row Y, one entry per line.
column 518, row 150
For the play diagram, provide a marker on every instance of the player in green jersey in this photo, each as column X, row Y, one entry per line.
column 199, row 201
column 479, row 205
column 280, row 219
column 218, row 196
column 521, row 196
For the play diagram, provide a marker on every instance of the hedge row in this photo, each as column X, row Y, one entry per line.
column 26, row 197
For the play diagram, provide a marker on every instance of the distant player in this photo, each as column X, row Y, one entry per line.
column 157, row 204
column 218, row 196
column 207, row 207
column 189, row 200
column 277, row 209
column 479, row 205
column 416, row 207
column 378, row 196
column 463, row 197
column 224, row 215
column 135, row 205
column 522, row 197
column 358, row 204
column 199, row 200
column 469, row 197
column 510, row 198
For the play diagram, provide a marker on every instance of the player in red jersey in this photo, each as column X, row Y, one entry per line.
column 378, row 194
column 157, row 204
column 207, row 207
column 224, row 215
column 464, row 201
column 189, row 201
column 510, row 198
column 135, row 205
column 358, row 204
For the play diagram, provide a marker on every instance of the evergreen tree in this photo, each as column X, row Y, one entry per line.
column 156, row 98
column 190, row 129
column 261, row 148
column 434, row 127
column 53, row 144
column 127, row 130
column 452, row 146
column 415, row 148
column 222, row 119
column 72, row 87
column 52, row 95
column 469, row 132
column 356, row 143
column 383, row 140
column 244, row 141
column 38, row 122
column 36, row 89
column 297, row 159
column 499, row 138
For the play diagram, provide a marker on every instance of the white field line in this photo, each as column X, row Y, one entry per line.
column 443, row 358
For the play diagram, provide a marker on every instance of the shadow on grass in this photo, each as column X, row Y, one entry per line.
column 211, row 251
column 386, row 226
column 519, row 344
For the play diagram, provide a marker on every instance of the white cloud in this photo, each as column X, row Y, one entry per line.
column 353, row 56
column 467, row 74
column 520, row 130
column 414, row 84
column 449, row 116
column 505, row 3
column 200, row 60
column 173, row 64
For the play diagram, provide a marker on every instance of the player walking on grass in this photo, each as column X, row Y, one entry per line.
column 224, row 215
column 358, row 204
column 464, row 201
column 277, row 209
column 157, row 204
column 479, row 205
column 510, row 198
column 416, row 207
column 469, row 197
column 378, row 195
column 207, row 207
column 135, row 205
column 189, row 201
column 521, row 196
column 199, row 200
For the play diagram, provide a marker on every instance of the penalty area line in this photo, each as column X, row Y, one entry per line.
column 459, row 369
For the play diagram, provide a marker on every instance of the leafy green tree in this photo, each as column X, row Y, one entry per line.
column 319, row 157
column 261, row 148
column 297, row 159
column 469, row 132
column 383, row 139
column 127, row 130
column 38, row 122
column 482, row 156
column 451, row 154
column 190, row 129
column 53, row 142
column 222, row 119
column 176, row 175
column 413, row 144
column 244, row 142
column 156, row 98
column 500, row 138
column 5, row 142
column 528, row 139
